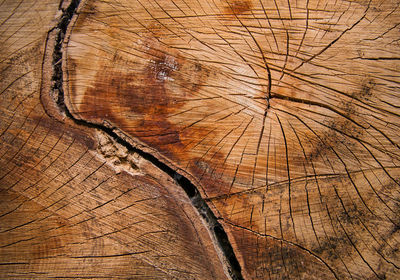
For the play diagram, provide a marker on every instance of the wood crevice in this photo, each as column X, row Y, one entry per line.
column 52, row 98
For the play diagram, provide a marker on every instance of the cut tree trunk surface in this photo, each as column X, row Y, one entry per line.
column 200, row 139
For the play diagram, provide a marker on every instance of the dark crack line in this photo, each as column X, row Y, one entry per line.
column 218, row 233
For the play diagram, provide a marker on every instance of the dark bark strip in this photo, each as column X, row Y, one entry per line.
column 218, row 233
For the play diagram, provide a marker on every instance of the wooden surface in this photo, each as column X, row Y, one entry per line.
column 67, row 210
column 284, row 115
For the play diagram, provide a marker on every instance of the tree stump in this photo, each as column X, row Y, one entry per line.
column 232, row 139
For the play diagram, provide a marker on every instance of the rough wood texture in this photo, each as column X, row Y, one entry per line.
column 73, row 202
column 283, row 114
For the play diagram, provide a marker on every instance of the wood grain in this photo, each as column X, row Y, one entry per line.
column 73, row 202
column 285, row 114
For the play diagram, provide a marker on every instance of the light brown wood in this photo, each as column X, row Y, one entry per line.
column 73, row 202
column 284, row 115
